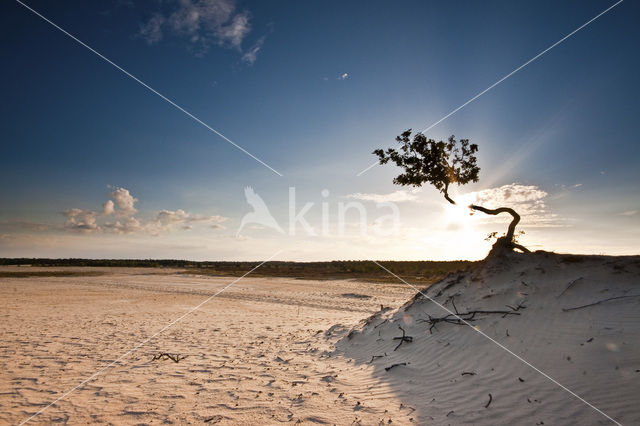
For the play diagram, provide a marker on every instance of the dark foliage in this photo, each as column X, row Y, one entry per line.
column 437, row 163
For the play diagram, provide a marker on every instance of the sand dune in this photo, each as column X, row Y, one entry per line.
column 451, row 370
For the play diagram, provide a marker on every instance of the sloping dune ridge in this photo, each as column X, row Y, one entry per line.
column 575, row 318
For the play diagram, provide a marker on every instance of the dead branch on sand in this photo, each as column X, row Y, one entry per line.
column 395, row 365
column 489, row 403
column 374, row 357
column 598, row 302
column 516, row 308
column 462, row 318
column 403, row 338
column 164, row 355
column 571, row 284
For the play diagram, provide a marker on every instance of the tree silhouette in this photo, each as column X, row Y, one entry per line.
column 443, row 164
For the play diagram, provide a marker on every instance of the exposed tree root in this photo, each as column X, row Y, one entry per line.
column 461, row 318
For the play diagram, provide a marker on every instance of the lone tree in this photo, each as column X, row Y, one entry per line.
column 443, row 164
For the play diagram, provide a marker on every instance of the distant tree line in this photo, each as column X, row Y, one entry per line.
column 422, row 270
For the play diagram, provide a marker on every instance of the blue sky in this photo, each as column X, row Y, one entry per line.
column 311, row 88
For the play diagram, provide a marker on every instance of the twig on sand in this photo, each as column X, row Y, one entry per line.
column 516, row 308
column 164, row 355
column 598, row 302
column 374, row 357
column 403, row 338
column 489, row 402
column 376, row 326
column 395, row 365
column 571, row 284
column 468, row 373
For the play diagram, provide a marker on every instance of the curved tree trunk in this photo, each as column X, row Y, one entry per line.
column 512, row 226
column 446, row 194
column 508, row 239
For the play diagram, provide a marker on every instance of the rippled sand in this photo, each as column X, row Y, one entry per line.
column 259, row 353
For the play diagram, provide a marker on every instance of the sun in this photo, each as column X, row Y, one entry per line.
column 458, row 216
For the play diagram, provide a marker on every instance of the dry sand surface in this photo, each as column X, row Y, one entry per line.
column 259, row 353
column 274, row 350
column 454, row 375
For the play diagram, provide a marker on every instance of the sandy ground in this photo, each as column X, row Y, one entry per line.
column 273, row 350
column 259, row 353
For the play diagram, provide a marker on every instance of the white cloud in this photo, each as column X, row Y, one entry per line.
column 152, row 30
column 125, row 202
column 129, row 226
column 399, row 196
column 527, row 200
column 204, row 23
column 344, row 76
column 108, row 208
column 251, row 55
column 169, row 217
column 628, row 213
column 71, row 213
column 512, row 193
column 83, row 221
column 233, row 33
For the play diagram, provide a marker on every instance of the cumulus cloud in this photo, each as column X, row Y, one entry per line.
column 344, row 76
column 124, row 201
column 129, row 226
column 399, row 196
column 108, row 208
column 168, row 219
column 123, row 208
column 83, row 221
column 203, row 23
